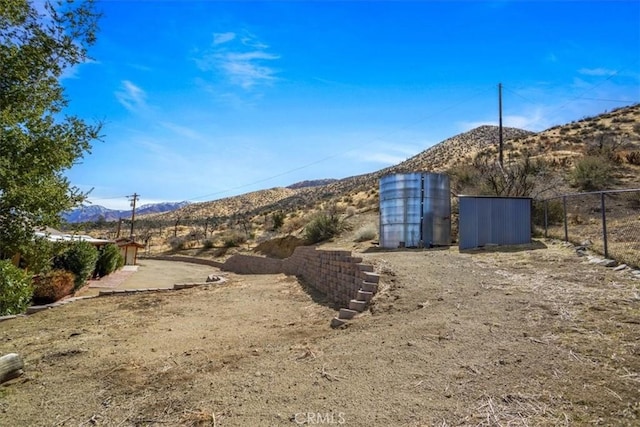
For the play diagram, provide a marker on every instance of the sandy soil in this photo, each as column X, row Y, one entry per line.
column 534, row 336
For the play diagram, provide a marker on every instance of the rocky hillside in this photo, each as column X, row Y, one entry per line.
column 312, row 183
column 559, row 145
column 249, row 202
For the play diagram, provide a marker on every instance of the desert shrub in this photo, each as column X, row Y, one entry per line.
column 555, row 212
column 16, row 289
column 80, row 259
column 278, row 220
column 323, row 227
column 632, row 199
column 52, row 286
column 592, row 173
column 633, row 157
column 177, row 243
column 605, row 145
column 233, row 239
column 517, row 179
column 350, row 211
column 109, row 260
column 208, row 243
column 464, row 178
column 366, row 232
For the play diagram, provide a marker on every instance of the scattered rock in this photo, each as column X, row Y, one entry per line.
column 620, row 267
column 608, row 263
column 212, row 278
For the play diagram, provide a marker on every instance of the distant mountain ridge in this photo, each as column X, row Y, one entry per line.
column 93, row 213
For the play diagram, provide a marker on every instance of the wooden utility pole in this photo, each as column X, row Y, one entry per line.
column 119, row 227
column 500, row 158
column 134, row 198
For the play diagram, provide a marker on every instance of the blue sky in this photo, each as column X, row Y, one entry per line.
column 203, row 100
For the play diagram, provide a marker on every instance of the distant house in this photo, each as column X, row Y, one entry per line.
column 54, row 235
column 129, row 250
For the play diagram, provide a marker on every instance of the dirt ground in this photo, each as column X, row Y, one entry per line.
column 533, row 336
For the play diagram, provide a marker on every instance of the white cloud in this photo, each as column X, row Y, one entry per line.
column 596, row 71
column 73, row 71
column 221, row 38
column 183, row 131
column 240, row 66
column 243, row 69
column 534, row 120
column 132, row 97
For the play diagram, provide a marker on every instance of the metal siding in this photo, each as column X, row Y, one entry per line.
column 499, row 221
column 401, row 219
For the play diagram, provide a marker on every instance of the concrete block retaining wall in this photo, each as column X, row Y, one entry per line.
column 335, row 273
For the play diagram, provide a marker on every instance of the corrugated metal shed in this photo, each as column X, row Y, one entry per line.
column 494, row 220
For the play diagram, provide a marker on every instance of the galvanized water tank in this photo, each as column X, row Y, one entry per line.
column 415, row 210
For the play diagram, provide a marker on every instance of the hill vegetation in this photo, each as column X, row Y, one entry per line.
column 588, row 154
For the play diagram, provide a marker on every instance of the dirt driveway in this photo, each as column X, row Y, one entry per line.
column 532, row 337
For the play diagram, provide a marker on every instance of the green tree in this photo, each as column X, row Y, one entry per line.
column 79, row 258
column 109, row 260
column 37, row 141
column 16, row 289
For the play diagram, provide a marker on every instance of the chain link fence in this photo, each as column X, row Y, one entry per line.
column 607, row 222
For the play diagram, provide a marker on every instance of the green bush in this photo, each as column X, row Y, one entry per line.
column 109, row 260
column 80, row 259
column 16, row 289
column 208, row 243
column 37, row 256
column 322, row 227
column 52, row 286
column 592, row 173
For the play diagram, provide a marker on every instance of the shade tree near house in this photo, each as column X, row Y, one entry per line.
column 38, row 142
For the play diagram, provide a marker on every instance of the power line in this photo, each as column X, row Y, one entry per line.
column 333, row 156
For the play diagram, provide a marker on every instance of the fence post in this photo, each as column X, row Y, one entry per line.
column 564, row 209
column 604, row 224
column 546, row 219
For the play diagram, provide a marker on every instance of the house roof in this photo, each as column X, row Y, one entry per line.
column 54, row 235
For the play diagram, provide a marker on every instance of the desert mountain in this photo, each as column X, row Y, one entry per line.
column 92, row 213
column 559, row 145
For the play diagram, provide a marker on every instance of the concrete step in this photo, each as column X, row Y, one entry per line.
column 364, row 296
column 369, row 287
column 370, row 277
column 336, row 323
column 346, row 313
column 365, row 267
column 357, row 305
